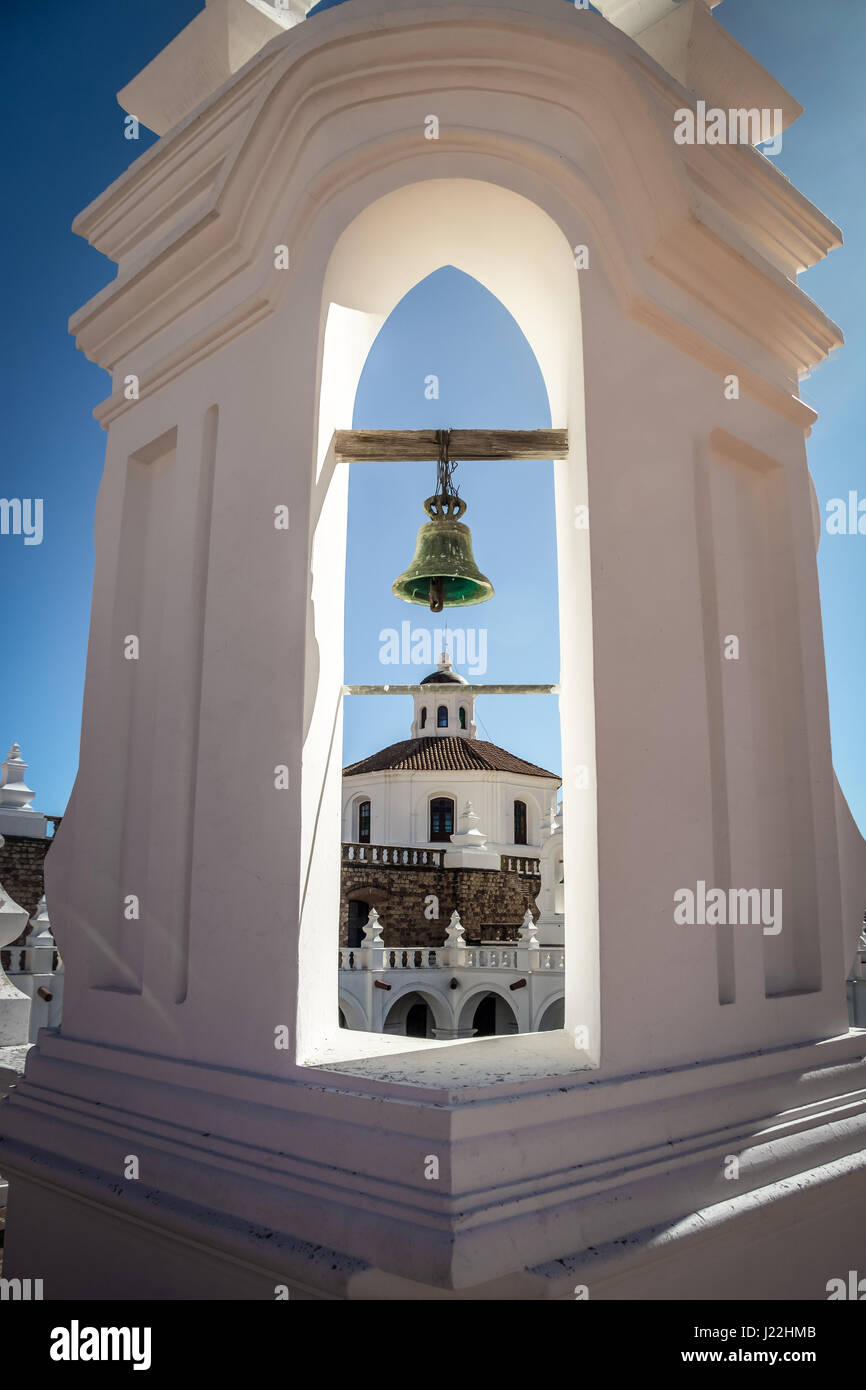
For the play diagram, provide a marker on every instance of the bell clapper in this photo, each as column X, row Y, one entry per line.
column 437, row 600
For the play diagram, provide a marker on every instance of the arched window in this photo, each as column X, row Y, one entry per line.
column 462, row 717
column 364, row 823
column 442, row 717
column 520, row 822
column 423, row 716
column 441, row 818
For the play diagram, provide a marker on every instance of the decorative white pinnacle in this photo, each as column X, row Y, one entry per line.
column 526, row 932
column 454, row 932
column 14, row 792
column 373, row 930
column 470, row 835
column 40, row 933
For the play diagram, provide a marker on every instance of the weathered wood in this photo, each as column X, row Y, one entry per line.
column 409, row 446
column 436, row 689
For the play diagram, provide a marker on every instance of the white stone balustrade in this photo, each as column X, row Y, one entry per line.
column 522, row 864
column 411, row 857
column 396, row 855
column 433, row 958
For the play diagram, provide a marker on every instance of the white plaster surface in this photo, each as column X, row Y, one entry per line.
column 702, row 1040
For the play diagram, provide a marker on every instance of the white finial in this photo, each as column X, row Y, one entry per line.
column 14, row 793
column 38, row 955
column 470, row 835
column 373, row 930
column 454, row 932
column 526, row 931
column 445, row 660
column 40, row 923
column 41, row 913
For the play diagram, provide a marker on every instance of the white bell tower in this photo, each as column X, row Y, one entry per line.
column 291, row 202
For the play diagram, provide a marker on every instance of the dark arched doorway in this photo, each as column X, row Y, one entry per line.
column 484, row 1018
column 490, row 1016
column 410, row 1017
column 416, row 1020
column 358, row 914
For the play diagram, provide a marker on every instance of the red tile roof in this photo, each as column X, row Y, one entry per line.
column 445, row 753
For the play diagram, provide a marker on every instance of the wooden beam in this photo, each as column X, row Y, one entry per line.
column 437, row 689
column 409, row 446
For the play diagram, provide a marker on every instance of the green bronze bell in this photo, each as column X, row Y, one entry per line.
column 443, row 572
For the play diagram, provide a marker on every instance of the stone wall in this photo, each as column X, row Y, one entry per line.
column 21, row 873
column 491, row 903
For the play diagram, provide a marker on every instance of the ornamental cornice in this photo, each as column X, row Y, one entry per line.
column 191, row 217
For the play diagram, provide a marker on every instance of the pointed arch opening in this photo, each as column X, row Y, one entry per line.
column 540, row 293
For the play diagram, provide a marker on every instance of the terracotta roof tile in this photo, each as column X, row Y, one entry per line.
column 445, row 753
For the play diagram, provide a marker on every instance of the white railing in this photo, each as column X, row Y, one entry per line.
column 552, row 960
column 521, row 864
column 395, row 958
column 400, row 855
column 407, row 856
column 491, row 958
column 433, row 958
column 414, row 958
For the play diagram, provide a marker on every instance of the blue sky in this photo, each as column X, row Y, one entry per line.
column 450, row 327
column 60, row 68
